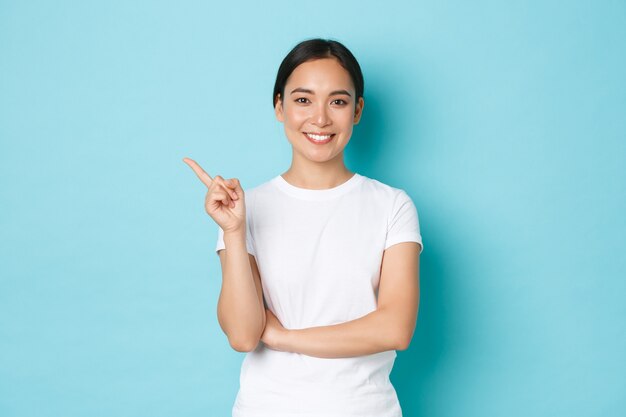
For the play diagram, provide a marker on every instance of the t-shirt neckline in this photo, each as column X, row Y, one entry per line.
column 323, row 194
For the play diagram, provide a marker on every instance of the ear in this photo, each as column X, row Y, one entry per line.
column 278, row 108
column 358, row 111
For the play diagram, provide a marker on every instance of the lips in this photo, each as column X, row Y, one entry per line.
column 319, row 138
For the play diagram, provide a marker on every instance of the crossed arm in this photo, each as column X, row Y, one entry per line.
column 389, row 327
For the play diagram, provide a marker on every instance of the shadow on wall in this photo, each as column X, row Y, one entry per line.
column 394, row 127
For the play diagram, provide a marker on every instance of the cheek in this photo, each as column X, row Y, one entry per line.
column 296, row 116
column 345, row 117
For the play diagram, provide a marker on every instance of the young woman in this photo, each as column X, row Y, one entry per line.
column 320, row 265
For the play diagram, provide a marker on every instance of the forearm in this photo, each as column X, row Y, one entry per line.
column 372, row 333
column 239, row 312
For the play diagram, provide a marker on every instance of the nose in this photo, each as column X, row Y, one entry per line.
column 320, row 115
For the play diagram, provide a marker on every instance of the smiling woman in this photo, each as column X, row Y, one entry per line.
column 316, row 109
column 320, row 265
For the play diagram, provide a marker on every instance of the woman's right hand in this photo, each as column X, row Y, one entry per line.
column 224, row 201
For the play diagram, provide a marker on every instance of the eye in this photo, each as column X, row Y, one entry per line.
column 301, row 98
column 342, row 102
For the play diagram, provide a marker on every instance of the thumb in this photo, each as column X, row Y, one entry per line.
column 235, row 186
column 233, row 182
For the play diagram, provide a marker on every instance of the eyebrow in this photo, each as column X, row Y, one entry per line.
column 306, row 90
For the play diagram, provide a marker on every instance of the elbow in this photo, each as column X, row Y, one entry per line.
column 403, row 344
column 404, row 335
column 245, row 342
column 240, row 339
column 244, row 345
column 403, row 341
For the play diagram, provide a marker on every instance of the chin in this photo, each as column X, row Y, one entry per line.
column 322, row 157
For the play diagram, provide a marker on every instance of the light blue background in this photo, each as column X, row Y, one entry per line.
column 504, row 121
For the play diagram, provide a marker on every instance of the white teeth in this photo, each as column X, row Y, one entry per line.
column 318, row 137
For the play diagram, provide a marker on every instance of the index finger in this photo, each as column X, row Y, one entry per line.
column 204, row 177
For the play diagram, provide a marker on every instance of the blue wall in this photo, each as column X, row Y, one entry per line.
column 504, row 121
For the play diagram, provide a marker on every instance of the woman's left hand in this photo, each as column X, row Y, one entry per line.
column 274, row 333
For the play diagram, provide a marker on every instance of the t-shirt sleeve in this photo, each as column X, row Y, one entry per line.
column 403, row 225
column 221, row 245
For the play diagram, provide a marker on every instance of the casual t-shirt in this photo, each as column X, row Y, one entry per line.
column 319, row 254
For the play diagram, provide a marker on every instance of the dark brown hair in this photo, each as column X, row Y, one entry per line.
column 317, row 48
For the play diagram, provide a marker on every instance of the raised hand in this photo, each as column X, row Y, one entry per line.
column 224, row 201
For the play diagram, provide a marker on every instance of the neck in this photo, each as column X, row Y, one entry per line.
column 317, row 176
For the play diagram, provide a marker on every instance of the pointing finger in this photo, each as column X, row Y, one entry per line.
column 204, row 177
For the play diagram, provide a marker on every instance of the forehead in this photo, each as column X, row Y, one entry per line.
column 321, row 74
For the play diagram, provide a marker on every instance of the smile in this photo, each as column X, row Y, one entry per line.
column 319, row 139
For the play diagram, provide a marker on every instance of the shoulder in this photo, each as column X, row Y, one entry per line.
column 382, row 190
column 393, row 201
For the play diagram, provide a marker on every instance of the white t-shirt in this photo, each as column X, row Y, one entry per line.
column 319, row 254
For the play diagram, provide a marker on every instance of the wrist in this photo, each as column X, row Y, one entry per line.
column 239, row 231
column 284, row 340
column 235, row 236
